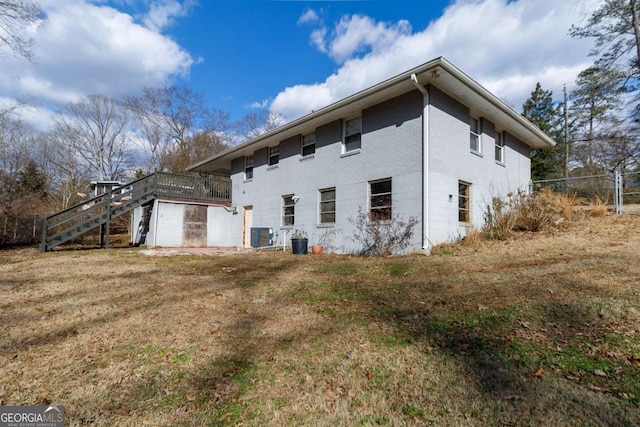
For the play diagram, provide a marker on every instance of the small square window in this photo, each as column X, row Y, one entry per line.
column 380, row 200
column 352, row 135
column 464, row 201
column 328, row 206
column 274, row 155
column 475, row 135
column 248, row 167
column 499, row 147
column 288, row 210
column 308, row 146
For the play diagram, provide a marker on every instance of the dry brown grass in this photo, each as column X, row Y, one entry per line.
column 514, row 332
column 597, row 208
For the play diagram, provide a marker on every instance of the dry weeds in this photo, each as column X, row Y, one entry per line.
column 540, row 329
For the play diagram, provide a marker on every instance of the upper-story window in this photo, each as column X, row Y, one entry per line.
column 308, row 146
column 274, row 155
column 475, row 135
column 499, row 147
column 352, row 134
column 248, row 167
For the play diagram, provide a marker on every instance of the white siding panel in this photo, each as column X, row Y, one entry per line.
column 170, row 217
column 220, row 231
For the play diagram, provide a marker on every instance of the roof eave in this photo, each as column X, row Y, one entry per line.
column 428, row 73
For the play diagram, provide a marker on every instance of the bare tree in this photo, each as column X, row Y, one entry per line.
column 156, row 142
column 95, row 128
column 202, row 145
column 254, row 124
column 69, row 176
column 177, row 126
column 15, row 19
column 23, row 183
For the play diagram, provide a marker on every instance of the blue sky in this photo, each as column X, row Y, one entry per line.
column 251, row 50
column 289, row 56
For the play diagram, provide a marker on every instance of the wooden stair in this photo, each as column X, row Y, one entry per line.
column 100, row 211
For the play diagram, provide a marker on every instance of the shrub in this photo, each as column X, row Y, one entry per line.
column 537, row 211
column 568, row 203
column 521, row 211
column 597, row 208
column 382, row 237
column 472, row 238
column 500, row 218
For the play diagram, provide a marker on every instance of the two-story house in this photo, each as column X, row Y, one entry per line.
column 430, row 143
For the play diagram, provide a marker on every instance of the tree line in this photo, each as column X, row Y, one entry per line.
column 596, row 124
column 103, row 138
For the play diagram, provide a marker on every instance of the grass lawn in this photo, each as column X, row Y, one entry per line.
column 542, row 329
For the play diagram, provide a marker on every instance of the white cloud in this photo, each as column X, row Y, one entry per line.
column 163, row 12
column 357, row 33
column 85, row 48
column 259, row 105
column 507, row 46
column 309, row 15
column 318, row 39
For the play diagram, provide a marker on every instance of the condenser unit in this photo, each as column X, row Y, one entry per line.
column 261, row 237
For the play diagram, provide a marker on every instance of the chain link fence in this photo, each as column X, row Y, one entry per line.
column 22, row 229
column 631, row 192
column 621, row 192
column 26, row 228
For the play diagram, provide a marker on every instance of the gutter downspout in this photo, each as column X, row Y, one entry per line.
column 154, row 213
column 426, row 244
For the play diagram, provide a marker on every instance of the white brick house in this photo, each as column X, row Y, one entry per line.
column 429, row 143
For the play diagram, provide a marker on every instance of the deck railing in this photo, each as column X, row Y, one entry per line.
column 192, row 187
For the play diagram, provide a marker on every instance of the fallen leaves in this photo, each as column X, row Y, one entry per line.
column 537, row 374
column 634, row 360
column 598, row 388
column 215, row 327
column 599, row 373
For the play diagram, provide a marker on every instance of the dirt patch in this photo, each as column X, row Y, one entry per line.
column 211, row 251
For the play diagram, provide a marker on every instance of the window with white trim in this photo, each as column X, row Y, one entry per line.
column 499, row 147
column 248, row 167
column 352, row 135
column 288, row 210
column 380, row 200
column 274, row 155
column 328, row 206
column 475, row 135
column 464, row 201
column 308, row 145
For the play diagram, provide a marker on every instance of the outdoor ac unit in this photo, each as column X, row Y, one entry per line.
column 261, row 237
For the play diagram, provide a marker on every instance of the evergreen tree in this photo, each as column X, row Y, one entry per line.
column 615, row 25
column 32, row 181
column 546, row 163
column 599, row 133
